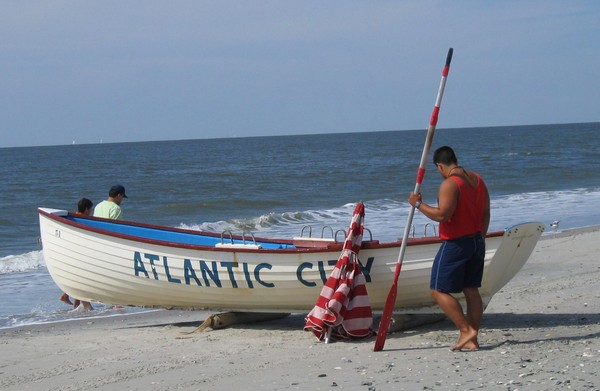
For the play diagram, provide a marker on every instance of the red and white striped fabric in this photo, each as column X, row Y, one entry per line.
column 343, row 304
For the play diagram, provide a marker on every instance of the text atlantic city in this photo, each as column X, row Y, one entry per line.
column 209, row 273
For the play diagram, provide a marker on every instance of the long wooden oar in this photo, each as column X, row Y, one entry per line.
column 390, row 302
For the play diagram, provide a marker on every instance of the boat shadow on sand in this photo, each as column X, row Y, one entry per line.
column 498, row 329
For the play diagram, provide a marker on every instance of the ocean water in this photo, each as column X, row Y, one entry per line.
column 275, row 186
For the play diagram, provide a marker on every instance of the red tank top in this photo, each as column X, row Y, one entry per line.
column 468, row 215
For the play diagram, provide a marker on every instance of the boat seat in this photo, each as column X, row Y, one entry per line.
column 239, row 245
column 300, row 241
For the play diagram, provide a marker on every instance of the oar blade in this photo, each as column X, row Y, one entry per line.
column 386, row 317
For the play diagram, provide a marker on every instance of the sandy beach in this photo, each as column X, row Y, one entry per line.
column 540, row 332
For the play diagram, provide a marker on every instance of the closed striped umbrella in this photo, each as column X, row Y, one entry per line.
column 342, row 310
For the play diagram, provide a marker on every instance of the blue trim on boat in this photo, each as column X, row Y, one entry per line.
column 170, row 236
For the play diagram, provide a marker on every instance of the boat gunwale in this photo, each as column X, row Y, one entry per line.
column 328, row 247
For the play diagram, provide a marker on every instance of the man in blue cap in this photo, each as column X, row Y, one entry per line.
column 111, row 207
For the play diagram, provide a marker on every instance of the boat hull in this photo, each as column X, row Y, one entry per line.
column 117, row 267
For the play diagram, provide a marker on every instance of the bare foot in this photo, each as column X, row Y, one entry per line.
column 469, row 337
column 65, row 299
column 472, row 345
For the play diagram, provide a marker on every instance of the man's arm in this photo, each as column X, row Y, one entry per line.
column 447, row 201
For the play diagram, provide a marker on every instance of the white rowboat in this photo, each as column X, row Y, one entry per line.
column 132, row 264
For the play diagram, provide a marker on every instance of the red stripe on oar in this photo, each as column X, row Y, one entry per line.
column 420, row 175
column 434, row 116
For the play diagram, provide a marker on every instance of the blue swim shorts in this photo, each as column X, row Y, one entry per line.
column 458, row 264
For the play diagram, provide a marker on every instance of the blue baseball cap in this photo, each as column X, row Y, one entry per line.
column 116, row 190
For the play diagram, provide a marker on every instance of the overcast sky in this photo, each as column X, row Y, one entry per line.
column 115, row 71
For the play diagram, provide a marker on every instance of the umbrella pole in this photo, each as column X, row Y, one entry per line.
column 328, row 335
column 390, row 302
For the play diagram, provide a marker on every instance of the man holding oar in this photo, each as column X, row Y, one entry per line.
column 463, row 212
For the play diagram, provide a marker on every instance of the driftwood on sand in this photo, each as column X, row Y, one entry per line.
column 228, row 319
